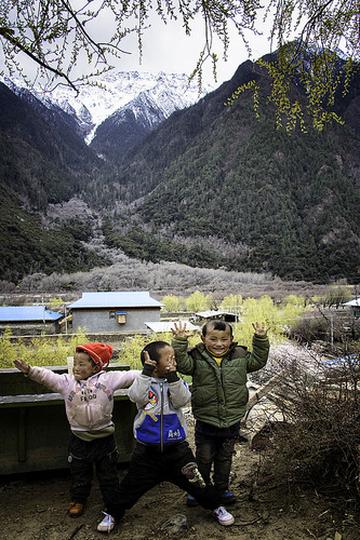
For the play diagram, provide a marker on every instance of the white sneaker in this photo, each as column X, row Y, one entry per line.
column 223, row 516
column 107, row 524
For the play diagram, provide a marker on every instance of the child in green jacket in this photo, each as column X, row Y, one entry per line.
column 219, row 368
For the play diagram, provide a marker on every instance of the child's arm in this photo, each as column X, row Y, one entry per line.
column 179, row 391
column 122, row 379
column 44, row 376
column 139, row 390
column 185, row 363
column 260, row 352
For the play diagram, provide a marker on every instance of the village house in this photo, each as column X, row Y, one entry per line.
column 202, row 317
column 29, row 320
column 354, row 306
column 168, row 326
column 114, row 312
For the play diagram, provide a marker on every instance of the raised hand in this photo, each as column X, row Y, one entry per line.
column 260, row 328
column 22, row 366
column 180, row 330
column 148, row 360
column 171, row 363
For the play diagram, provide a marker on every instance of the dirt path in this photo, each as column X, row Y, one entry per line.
column 34, row 508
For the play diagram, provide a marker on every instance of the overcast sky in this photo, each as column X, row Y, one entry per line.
column 167, row 48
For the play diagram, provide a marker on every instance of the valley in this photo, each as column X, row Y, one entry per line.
column 172, row 180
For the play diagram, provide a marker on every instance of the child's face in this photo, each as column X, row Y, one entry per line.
column 217, row 342
column 167, row 359
column 83, row 366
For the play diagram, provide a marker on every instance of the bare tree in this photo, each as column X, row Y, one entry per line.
column 56, row 34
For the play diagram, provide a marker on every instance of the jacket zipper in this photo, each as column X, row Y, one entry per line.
column 161, row 417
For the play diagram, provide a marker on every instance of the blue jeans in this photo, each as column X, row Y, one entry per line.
column 215, row 446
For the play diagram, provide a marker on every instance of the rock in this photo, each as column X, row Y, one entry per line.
column 174, row 525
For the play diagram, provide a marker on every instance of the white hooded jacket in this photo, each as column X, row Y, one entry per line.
column 88, row 402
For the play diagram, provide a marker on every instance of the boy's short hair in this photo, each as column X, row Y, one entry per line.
column 216, row 325
column 153, row 349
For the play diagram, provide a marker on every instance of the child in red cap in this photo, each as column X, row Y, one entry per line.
column 88, row 395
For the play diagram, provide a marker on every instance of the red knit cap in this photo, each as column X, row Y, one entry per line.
column 100, row 353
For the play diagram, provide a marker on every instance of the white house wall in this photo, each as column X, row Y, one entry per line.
column 98, row 320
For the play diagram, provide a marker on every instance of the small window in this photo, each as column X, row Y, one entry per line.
column 121, row 317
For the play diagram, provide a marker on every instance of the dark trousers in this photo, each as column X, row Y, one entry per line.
column 84, row 456
column 149, row 466
column 215, row 446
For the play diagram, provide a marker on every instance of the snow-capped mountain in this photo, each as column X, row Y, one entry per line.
column 130, row 124
column 145, row 109
column 111, row 92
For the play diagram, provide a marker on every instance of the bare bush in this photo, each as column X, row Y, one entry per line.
column 334, row 327
column 319, row 442
column 134, row 274
column 164, row 278
column 308, row 330
column 7, row 286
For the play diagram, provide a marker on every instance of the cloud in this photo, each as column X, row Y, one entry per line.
column 166, row 47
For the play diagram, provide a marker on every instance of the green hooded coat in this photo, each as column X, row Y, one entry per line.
column 219, row 393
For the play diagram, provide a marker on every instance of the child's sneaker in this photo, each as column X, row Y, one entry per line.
column 228, row 497
column 107, row 524
column 191, row 501
column 223, row 516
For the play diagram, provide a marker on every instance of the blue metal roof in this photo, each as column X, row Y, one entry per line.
column 27, row 314
column 348, row 359
column 115, row 299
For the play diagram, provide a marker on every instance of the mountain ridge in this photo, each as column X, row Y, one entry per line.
column 208, row 186
column 296, row 196
column 113, row 91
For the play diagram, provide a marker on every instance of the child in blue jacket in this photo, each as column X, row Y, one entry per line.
column 162, row 452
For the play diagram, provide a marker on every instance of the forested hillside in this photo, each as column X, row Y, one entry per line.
column 277, row 202
column 43, row 160
column 212, row 186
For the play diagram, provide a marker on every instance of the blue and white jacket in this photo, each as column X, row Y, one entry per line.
column 160, row 420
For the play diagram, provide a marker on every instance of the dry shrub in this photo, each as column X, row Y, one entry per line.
column 336, row 326
column 308, row 330
column 319, row 442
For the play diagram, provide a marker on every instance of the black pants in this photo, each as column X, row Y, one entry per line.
column 83, row 457
column 215, row 446
column 149, row 466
